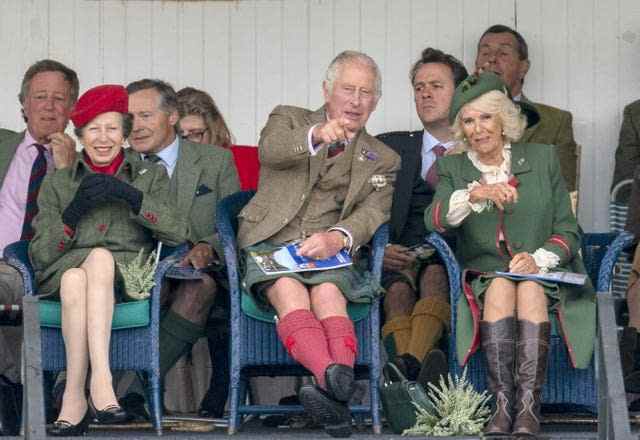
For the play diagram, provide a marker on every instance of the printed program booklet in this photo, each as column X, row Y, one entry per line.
column 286, row 260
column 557, row 277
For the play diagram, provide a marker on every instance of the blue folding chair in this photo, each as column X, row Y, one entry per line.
column 570, row 388
column 135, row 334
column 255, row 347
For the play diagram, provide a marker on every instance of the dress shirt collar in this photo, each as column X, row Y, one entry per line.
column 429, row 141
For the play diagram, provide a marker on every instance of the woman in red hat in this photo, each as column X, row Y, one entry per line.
column 99, row 212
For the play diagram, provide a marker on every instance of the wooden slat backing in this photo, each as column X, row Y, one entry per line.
column 254, row 54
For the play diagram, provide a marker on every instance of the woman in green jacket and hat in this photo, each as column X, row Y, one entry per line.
column 101, row 211
column 510, row 210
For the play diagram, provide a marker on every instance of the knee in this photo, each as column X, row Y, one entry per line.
column 102, row 257
column 434, row 282
column 399, row 299
column 73, row 287
column 327, row 296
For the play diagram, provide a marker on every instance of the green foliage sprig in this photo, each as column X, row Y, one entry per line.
column 458, row 410
column 138, row 275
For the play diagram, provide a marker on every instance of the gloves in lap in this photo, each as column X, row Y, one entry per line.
column 96, row 190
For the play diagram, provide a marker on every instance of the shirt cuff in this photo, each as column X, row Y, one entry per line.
column 460, row 206
column 545, row 259
column 313, row 149
column 347, row 233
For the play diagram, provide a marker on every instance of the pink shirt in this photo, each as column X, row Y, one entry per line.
column 13, row 194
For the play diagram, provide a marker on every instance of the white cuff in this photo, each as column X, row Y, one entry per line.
column 347, row 233
column 545, row 259
column 312, row 149
column 460, row 206
column 479, row 206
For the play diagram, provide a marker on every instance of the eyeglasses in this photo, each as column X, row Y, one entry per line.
column 193, row 135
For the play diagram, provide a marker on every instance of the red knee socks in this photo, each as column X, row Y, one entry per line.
column 305, row 340
column 343, row 344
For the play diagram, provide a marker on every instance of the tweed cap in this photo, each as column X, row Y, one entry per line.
column 475, row 86
column 98, row 100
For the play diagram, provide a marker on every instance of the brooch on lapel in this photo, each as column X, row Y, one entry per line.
column 521, row 161
column 142, row 171
column 378, row 181
column 367, row 155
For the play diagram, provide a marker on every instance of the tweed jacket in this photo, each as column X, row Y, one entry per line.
column 55, row 248
column 628, row 151
column 9, row 142
column 289, row 172
column 203, row 176
column 411, row 195
column 555, row 128
column 542, row 218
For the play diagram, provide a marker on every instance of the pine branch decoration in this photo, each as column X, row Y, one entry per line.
column 138, row 275
column 458, row 410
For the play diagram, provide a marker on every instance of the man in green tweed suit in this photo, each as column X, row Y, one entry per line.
column 504, row 51
column 628, row 151
column 200, row 176
column 328, row 184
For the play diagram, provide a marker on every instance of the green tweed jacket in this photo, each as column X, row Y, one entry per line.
column 555, row 128
column 628, row 151
column 542, row 218
column 9, row 142
column 204, row 175
column 54, row 248
column 289, row 172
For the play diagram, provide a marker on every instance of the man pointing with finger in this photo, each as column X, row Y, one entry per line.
column 324, row 181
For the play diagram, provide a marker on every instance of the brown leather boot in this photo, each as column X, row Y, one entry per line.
column 532, row 354
column 498, row 343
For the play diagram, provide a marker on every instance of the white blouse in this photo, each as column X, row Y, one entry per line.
column 460, row 206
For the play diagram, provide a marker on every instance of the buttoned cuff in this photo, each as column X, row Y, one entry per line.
column 348, row 235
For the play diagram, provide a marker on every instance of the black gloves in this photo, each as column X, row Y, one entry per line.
column 89, row 194
column 96, row 190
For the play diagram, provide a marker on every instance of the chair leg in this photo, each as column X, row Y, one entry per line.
column 156, row 402
column 374, row 398
column 234, row 401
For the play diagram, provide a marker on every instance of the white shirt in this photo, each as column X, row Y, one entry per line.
column 428, row 156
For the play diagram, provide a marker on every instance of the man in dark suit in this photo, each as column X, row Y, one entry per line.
column 49, row 91
column 504, row 51
column 200, row 176
column 416, row 305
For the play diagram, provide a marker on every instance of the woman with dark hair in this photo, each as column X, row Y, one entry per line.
column 99, row 212
column 510, row 211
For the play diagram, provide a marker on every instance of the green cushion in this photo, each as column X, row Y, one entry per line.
column 356, row 311
column 126, row 315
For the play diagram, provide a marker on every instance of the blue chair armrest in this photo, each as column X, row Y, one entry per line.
column 454, row 271
column 378, row 243
column 17, row 256
column 605, row 275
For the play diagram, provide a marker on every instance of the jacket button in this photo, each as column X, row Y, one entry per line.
column 285, row 221
column 302, row 197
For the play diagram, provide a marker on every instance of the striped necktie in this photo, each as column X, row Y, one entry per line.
column 153, row 158
column 432, row 174
column 38, row 171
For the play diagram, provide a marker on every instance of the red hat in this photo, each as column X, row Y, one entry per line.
column 98, row 100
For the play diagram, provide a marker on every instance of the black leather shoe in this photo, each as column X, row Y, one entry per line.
column 340, row 382
column 434, row 365
column 134, row 405
column 10, row 406
column 333, row 415
column 408, row 365
column 62, row 428
column 111, row 415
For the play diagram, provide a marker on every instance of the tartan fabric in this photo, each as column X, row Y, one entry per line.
column 38, row 171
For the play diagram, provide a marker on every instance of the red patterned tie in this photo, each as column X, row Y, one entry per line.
column 335, row 148
column 432, row 175
column 38, row 171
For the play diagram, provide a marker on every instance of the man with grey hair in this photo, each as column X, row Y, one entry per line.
column 48, row 92
column 200, row 176
column 326, row 184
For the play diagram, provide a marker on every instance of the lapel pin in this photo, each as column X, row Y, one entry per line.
column 142, row 171
column 368, row 155
column 521, row 161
